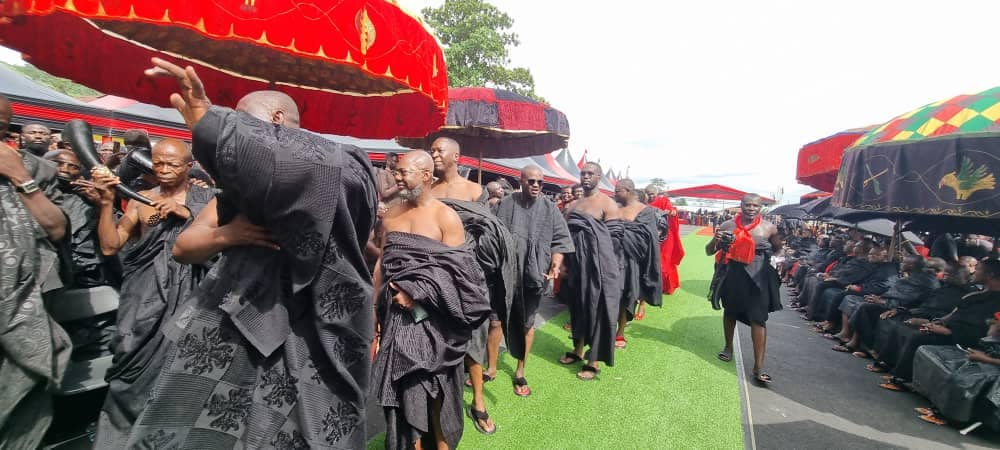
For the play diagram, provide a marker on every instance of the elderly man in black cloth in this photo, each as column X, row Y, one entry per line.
column 746, row 283
column 495, row 253
column 641, row 247
column 34, row 350
column 272, row 348
column 541, row 238
column 431, row 296
column 593, row 288
column 153, row 285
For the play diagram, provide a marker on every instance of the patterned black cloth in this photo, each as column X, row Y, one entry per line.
column 153, row 288
column 594, row 286
column 538, row 230
column 90, row 268
column 748, row 292
column 420, row 362
column 642, row 277
column 951, row 382
column 273, row 347
column 34, row 350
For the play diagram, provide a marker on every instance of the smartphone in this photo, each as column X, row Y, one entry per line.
column 419, row 313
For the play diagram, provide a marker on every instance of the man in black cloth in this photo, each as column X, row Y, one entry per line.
column 431, row 296
column 387, row 189
column 641, row 246
column 36, row 139
column 495, row 253
column 881, row 278
column 748, row 286
column 593, row 288
column 34, row 350
column 272, row 348
column 541, row 238
column 153, row 285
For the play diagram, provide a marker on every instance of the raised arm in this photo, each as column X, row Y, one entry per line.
column 113, row 235
column 42, row 208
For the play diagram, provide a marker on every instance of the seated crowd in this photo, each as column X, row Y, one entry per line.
column 929, row 322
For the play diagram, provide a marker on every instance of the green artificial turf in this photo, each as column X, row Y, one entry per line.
column 666, row 390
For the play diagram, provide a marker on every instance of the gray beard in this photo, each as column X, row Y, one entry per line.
column 411, row 194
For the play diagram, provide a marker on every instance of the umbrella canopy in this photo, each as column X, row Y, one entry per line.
column 940, row 159
column 494, row 123
column 819, row 161
column 882, row 227
column 788, row 211
column 355, row 67
column 714, row 192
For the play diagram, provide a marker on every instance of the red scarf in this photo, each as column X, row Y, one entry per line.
column 743, row 248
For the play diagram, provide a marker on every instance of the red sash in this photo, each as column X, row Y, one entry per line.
column 743, row 248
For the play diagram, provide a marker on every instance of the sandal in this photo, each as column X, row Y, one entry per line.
column 924, row 411
column 761, row 377
column 570, row 358
column 521, row 383
column 862, row 355
column 620, row 342
column 725, row 356
column 833, row 337
column 568, row 326
column 478, row 416
column 893, row 387
column 587, row 368
column 641, row 314
column 876, row 368
column 486, row 379
column 932, row 418
column 842, row 349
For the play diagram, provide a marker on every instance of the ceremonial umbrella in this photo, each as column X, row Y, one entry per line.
column 362, row 68
column 940, row 159
column 814, row 195
column 494, row 123
column 819, row 160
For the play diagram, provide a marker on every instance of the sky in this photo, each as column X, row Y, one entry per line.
column 728, row 91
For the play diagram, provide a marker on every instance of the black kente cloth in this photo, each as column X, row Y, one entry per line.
column 538, row 230
column 494, row 249
column 154, row 286
column 594, row 286
column 272, row 349
column 642, row 277
column 90, row 268
column 56, row 269
column 891, row 334
column 749, row 292
column 34, row 350
column 418, row 362
column 951, row 382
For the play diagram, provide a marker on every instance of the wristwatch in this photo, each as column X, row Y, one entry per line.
column 28, row 187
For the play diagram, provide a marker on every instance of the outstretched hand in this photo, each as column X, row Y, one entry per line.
column 191, row 102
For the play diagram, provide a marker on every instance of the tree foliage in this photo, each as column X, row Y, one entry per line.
column 658, row 182
column 477, row 41
column 58, row 84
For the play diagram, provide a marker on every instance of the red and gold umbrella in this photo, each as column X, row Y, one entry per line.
column 361, row 68
column 819, row 161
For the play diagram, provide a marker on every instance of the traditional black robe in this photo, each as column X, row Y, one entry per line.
column 273, row 347
column 906, row 292
column 892, row 333
column 641, row 245
column 748, row 292
column 594, row 286
column 153, row 288
column 34, row 350
column 419, row 362
column 494, row 249
column 90, row 268
column 538, row 230
column 955, row 385
column 829, row 293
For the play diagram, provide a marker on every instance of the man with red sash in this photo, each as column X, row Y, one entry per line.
column 671, row 249
column 744, row 281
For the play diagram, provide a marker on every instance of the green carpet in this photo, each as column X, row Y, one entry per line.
column 666, row 390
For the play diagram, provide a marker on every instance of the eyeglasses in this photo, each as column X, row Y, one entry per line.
column 530, row 182
column 405, row 172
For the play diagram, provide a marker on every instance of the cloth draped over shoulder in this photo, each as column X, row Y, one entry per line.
column 594, row 286
column 748, row 292
column 34, row 350
column 495, row 253
column 273, row 346
column 419, row 361
column 671, row 249
column 538, row 230
column 642, row 266
column 956, row 386
column 153, row 287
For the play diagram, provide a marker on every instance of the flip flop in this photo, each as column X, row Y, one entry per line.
column 572, row 358
column 762, row 377
column 520, row 382
column 876, row 368
column 931, row 418
column 833, row 337
column 620, row 342
column 486, row 379
column 893, row 387
column 476, row 416
column 641, row 314
column 862, row 355
column 725, row 356
column 587, row 368
column 842, row 349
column 924, row 411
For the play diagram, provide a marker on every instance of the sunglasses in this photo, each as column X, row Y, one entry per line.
column 533, row 182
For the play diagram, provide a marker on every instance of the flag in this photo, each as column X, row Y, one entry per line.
column 582, row 161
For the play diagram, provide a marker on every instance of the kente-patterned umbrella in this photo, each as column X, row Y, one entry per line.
column 494, row 123
column 819, row 160
column 361, row 68
column 940, row 159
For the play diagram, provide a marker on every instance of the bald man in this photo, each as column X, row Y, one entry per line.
column 431, row 297
column 495, row 253
column 593, row 288
column 496, row 194
column 277, row 333
column 641, row 248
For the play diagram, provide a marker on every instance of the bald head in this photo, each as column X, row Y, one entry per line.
column 171, row 163
column 5, row 113
column 413, row 175
column 271, row 106
column 627, row 184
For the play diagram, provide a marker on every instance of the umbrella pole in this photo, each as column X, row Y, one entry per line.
column 480, row 166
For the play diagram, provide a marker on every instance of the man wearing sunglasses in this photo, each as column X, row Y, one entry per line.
column 593, row 289
column 541, row 238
